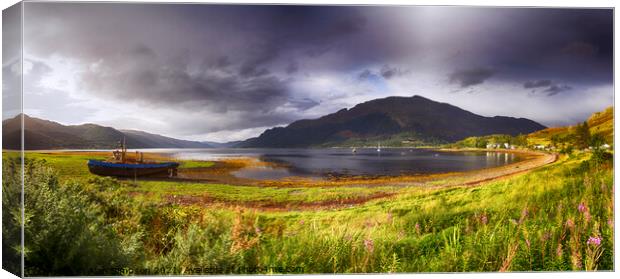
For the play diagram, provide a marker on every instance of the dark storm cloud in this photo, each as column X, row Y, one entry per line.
column 292, row 67
column 243, row 60
column 151, row 80
column 136, row 57
column 537, row 83
column 469, row 77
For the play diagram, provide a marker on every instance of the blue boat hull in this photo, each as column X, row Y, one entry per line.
column 132, row 170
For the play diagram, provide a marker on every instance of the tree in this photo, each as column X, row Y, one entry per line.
column 598, row 153
column 520, row 140
column 582, row 135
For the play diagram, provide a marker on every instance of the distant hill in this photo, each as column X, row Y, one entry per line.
column 599, row 122
column 44, row 134
column 222, row 144
column 414, row 119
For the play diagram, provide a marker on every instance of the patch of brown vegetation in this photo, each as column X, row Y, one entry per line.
column 271, row 205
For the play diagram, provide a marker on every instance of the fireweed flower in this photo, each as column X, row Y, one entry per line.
column 417, row 228
column 582, row 208
column 370, row 245
column 483, row 219
column 588, row 216
column 594, row 240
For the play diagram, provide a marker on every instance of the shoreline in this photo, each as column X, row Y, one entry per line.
column 221, row 171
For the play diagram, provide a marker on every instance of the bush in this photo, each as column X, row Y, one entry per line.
column 65, row 232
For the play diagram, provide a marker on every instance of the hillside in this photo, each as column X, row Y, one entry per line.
column 415, row 119
column 44, row 134
column 599, row 122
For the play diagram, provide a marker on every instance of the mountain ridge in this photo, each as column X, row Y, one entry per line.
column 45, row 134
column 430, row 120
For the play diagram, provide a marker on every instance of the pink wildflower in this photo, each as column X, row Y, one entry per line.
column 582, row 207
column 588, row 216
column 594, row 240
column 483, row 219
column 370, row 245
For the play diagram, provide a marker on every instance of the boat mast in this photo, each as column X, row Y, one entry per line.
column 123, row 151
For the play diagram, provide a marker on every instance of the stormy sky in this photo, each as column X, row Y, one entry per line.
column 228, row 72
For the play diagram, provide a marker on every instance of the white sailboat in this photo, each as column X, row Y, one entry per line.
column 378, row 147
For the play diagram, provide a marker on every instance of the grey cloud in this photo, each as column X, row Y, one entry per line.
column 304, row 103
column 243, row 61
column 556, row 89
column 292, row 67
column 548, row 87
column 537, row 83
column 153, row 82
column 580, row 49
column 365, row 74
column 469, row 77
column 388, row 72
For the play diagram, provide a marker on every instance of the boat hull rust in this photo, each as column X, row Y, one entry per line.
column 132, row 170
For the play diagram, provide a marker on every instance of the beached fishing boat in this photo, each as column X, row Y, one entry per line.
column 132, row 170
column 120, row 165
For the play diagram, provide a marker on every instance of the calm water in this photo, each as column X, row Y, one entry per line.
column 342, row 161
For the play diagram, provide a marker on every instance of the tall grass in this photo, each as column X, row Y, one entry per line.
column 559, row 217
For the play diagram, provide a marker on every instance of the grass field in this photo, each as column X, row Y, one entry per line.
column 556, row 217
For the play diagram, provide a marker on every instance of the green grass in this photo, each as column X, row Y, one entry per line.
column 67, row 166
column 540, row 220
column 196, row 164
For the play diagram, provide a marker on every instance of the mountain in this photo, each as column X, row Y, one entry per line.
column 44, row 134
column 420, row 119
column 223, row 144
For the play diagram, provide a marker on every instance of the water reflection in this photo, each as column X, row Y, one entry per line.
column 343, row 162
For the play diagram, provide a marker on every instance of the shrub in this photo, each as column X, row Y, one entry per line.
column 65, row 232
